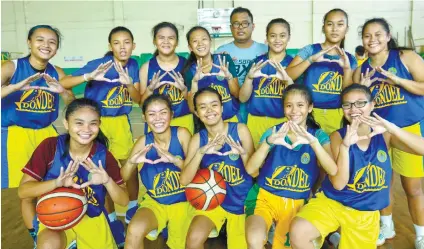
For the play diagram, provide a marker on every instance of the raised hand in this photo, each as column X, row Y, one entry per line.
column 97, row 174
column 378, row 124
column 52, row 85
column 236, row 147
column 351, row 136
column 99, row 73
column 25, row 84
column 391, row 77
column 319, row 57
column 366, row 78
column 140, row 156
column 343, row 61
column 281, row 74
column 156, row 82
column 199, row 71
column 302, row 135
column 65, row 179
column 179, row 80
column 124, row 77
column 214, row 145
column 255, row 70
column 223, row 68
column 164, row 156
column 278, row 137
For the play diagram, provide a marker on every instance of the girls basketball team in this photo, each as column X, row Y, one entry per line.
column 340, row 127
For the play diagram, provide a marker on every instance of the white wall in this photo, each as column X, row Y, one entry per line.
column 85, row 24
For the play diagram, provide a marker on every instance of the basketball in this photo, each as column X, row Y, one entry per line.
column 61, row 208
column 207, row 190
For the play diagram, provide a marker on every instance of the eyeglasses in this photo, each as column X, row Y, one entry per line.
column 242, row 25
column 357, row 104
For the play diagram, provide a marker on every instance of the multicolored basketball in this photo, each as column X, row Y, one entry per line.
column 61, row 208
column 207, row 190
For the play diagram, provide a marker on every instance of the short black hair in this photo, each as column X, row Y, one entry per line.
column 360, row 50
column 241, row 10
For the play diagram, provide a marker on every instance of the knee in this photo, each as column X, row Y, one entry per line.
column 298, row 233
column 255, row 240
column 413, row 190
column 195, row 239
column 50, row 242
column 137, row 229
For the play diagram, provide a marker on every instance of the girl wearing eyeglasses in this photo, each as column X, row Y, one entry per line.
column 351, row 199
column 395, row 77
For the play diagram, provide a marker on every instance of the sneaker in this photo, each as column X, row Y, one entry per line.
column 334, row 240
column 72, row 245
column 419, row 243
column 118, row 232
column 130, row 213
column 386, row 232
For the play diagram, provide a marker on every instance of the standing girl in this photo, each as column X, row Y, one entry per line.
column 162, row 152
column 396, row 79
column 288, row 161
column 79, row 159
column 162, row 74
column 29, row 105
column 328, row 69
column 351, row 199
column 225, row 148
column 264, row 85
column 113, row 82
column 218, row 71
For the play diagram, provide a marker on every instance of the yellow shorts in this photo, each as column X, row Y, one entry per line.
column 330, row 120
column 184, row 121
column 359, row 229
column 235, row 226
column 258, row 125
column 273, row 208
column 89, row 233
column 233, row 119
column 118, row 131
column 18, row 144
column 406, row 164
column 177, row 216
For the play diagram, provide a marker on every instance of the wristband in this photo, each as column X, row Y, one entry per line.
column 266, row 140
column 85, row 77
column 229, row 78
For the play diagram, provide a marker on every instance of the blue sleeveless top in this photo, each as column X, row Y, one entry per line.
column 290, row 173
column 95, row 193
column 230, row 103
column 325, row 80
column 267, row 93
column 113, row 98
column 369, row 177
column 162, row 180
column 393, row 102
column 33, row 108
column 232, row 169
column 179, row 103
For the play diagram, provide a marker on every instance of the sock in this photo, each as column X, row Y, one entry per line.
column 386, row 219
column 132, row 204
column 112, row 216
column 335, row 239
column 419, row 230
column 32, row 233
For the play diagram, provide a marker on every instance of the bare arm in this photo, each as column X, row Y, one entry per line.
column 415, row 65
column 192, row 161
column 117, row 193
column 144, row 91
column 257, row 159
column 325, row 158
column 31, row 188
column 66, row 95
column 341, row 154
column 297, row 67
column 234, row 87
column 128, row 169
column 246, row 90
column 246, row 141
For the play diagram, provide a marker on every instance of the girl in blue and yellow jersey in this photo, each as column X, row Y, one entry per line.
column 327, row 69
column 224, row 147
column 395, row 77
column 162, row 152
column 266, row 81
column 288, row 162
column 29, row 106
column 351, row 199
column 79, row 159
column 113, row 82
column 162, row 74
column 211, row 70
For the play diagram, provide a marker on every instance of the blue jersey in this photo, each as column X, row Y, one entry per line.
column 392, row 102
column 162, row 180
column 325, row 80
column 95, row 193
column 290, row 173
column 232, row 170
column 179, row 103
column 230, row 103
column 369, row 177
column 267, row 93
column 113, row 98
column 33, row 108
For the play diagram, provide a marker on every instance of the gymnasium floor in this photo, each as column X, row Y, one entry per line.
column 15, row 236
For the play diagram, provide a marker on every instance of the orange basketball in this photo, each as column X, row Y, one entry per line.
column 61, row 208
column 207, row 190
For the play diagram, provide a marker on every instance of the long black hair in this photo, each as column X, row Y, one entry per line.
column 44, row 26
column 74, row 106
column 192, row 58
column 347, row 22
column 160, row 26
column 116, row 30
column 352, row 88
column 306, row 93
column 198, row 124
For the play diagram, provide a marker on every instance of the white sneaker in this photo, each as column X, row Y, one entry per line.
column 419, row 243
column 386, row 232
